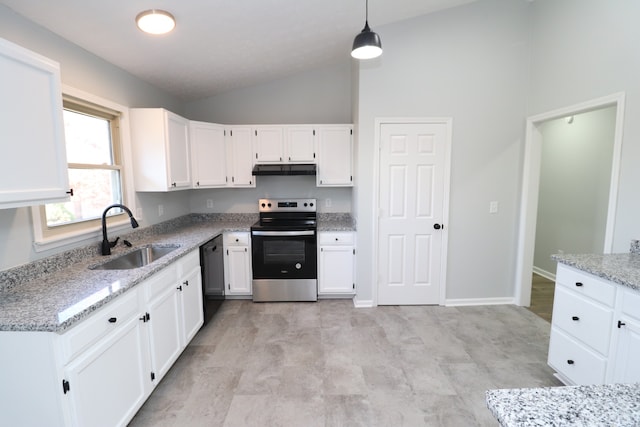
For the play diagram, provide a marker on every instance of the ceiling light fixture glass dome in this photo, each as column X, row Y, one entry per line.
column 155, row 21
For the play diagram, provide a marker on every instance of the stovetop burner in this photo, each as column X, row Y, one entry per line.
column 286, row 214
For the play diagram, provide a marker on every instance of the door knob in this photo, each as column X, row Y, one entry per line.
column 437, row 226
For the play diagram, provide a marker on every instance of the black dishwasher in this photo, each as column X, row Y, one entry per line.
column 211, row 262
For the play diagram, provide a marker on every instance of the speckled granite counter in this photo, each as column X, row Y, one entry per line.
column 596, row 405
column 54, row 293
column 623, row 269
column 336, row 222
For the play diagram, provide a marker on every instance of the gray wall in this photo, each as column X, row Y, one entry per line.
column 575, row 175
column 85, row 71
column 469, row 63
column 585, row 49
column 318, row 96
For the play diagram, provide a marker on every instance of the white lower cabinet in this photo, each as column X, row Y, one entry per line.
column 595, row 331
column 237, row 264
column 106, row 384
column 336, row 261
column 100, row 372
column 627, row 368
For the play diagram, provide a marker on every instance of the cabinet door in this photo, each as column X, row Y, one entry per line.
column 269, row 142
column 192, row 312
column 107, row 383
column 301, row 144
column 241, row 158
column 335, row 153
column 335, row 272
column 208, row 155
column 238, row 270
column 627, row 353
column 178, row 148
column 164, row 330
column 33, row 158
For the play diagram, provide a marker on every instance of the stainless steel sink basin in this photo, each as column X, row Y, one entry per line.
column 138, row 258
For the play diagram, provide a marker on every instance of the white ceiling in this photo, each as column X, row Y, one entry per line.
column 219, row 45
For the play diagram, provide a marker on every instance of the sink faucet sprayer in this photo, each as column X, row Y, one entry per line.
column 106, row 244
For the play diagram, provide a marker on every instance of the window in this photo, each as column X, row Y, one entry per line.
column 96, row 174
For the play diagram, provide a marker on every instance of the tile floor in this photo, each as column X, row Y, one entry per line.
column 330, row 364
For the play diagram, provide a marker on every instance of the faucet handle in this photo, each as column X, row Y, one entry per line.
column 115, row 242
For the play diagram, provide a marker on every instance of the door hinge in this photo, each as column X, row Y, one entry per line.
column 65, row 386
column 153, row 376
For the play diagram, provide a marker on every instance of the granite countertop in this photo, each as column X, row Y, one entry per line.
column 54, row 293
column 594, row 405
column 623, row 269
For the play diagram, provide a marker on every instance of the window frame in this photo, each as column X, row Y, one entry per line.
column 46, row 237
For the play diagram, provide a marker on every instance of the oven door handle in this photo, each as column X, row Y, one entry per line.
column 283, row 233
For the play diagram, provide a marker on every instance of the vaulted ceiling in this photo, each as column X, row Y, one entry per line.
column 219, row 45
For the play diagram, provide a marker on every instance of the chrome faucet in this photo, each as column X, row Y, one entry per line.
column 106, row 244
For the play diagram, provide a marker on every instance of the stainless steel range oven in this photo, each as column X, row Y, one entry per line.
column 284, row 251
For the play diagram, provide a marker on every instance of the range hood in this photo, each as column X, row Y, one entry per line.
column 284, row 169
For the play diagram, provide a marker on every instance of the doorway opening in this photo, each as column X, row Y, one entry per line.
column 531, row 185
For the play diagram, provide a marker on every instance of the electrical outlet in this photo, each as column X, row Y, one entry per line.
column 209, row 204
column 160, row 210
column 493, row 207
column 327, row 203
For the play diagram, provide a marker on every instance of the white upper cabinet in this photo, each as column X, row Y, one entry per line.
column 208, row 155
column 285, row 144
column 240, row 149
column 300, row 143
column 32, row 153
column 161, row 157
column 269, row 144
column 335, row 156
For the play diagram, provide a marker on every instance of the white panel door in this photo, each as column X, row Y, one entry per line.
column 179, row 165
column 208, row 155
column 411, row 202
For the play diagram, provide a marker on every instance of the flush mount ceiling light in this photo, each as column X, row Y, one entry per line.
column 367, row 44
column 155, row 21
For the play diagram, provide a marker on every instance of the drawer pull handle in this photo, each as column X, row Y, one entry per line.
column 179, row 288
column 186, row 282
column 570, row 362
column 579, row 284
column 575, row 318
column 113, row 319
column 620, row 324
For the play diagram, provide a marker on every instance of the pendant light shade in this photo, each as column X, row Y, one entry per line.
column 367, row 44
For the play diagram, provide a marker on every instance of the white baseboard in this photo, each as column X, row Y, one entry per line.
column 479, row 301
column 544, row 273
column 362, row 303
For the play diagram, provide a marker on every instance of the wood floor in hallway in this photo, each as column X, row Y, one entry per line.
column 330, row 364
column 542, row 291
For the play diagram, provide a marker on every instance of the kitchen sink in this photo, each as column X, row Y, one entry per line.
column 138, row 258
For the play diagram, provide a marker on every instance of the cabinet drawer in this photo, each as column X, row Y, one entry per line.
column 335, row 238
column 583, row 319
column 99, row 324
column 189, row 262
column 586, row 284
column 236, row 239
column 156, row 284
column 575, row 362
column 631, row 303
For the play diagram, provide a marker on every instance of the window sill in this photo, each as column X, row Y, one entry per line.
column 88, row 237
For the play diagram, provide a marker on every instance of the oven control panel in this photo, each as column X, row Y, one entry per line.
column 287, row 205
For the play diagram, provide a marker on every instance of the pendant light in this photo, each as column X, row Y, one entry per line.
column 367, row 44
column 155, row 21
